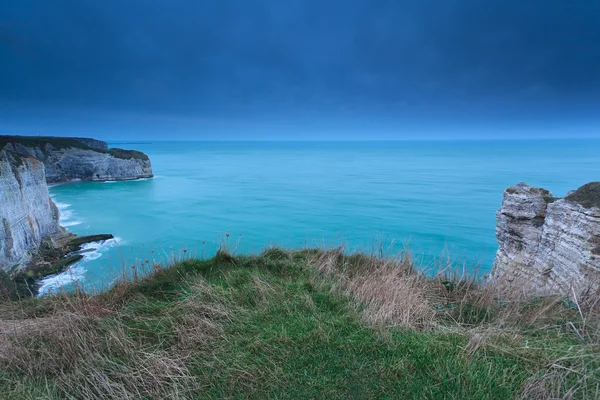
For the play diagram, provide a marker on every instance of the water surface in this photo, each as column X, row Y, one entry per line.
column 432, row 197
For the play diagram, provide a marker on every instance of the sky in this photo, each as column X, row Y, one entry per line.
column 300, row 69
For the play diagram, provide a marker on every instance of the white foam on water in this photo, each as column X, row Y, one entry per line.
column 71, row 223
column 76, row 272
column 116, row 241
column 99, row 248
column 129, row 180
column 53, row 283
column 62, row 206
column 66, row 215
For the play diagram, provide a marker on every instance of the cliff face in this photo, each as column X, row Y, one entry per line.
column 27, row 214
column 549, row 245
column 68, row 159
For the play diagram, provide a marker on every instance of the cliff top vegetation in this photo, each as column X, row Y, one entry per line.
column 68, row 142
column 588, row 195
column 311, row 323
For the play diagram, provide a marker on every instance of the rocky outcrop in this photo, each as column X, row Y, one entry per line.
column 549, row 245
column 27, row 214
column 74, row 159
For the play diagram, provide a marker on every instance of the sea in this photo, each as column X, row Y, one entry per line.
column 436, row 200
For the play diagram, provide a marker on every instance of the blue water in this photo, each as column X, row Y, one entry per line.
column 434, row 198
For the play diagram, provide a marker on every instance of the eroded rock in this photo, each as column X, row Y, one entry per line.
column 80, row 159
column 27, row 213
column 549, row 245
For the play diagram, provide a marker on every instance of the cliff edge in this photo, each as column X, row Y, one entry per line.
column 27, row 213
column 549, row 245
column 80, row 159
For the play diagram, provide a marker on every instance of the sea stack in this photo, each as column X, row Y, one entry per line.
column 549, row 245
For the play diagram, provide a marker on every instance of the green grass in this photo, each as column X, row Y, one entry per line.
column 42, row 141
column 277, row 326
column 304, row 342
column 127, row 154
column 588, row 195
column 65, row 143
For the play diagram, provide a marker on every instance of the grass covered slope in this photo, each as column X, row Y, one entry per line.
column 303, row 324
column 59, row 143
column 42, row 141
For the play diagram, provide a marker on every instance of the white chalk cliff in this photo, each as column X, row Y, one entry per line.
column 73, row 159
column 27, row 214
column 27, row 164
column 549, row 245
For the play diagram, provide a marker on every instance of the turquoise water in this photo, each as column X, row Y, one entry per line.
column 433, row 197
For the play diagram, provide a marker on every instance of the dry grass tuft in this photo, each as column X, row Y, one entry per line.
column 158, row 337
column 150, row 375
column 91, row 352
column 392, row 297
column 53, row 343
column 203, row 314
column 564, row 382
column 496, row 318
column 81, row 353
column 389, row 290
column 264, row 291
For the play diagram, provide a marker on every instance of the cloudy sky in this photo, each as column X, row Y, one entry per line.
column 300, row 69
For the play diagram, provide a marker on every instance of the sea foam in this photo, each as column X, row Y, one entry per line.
column 76, row 272
column 66, row 215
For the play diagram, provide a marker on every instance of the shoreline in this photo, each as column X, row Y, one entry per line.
column 53, row 257
column 98, row 181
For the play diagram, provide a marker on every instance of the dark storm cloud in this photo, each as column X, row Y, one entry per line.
column 204, row 57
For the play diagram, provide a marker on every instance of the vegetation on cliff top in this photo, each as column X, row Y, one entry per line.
column 548, row 198
column 298, row 324
column 127, row 154
column 67, row 142
column 588, row 195
column 41, row 141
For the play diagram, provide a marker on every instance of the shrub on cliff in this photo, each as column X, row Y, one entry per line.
column 127, row 154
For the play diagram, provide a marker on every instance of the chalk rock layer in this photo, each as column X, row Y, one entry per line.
column 80, row 159
column 548, row 245
column 27, row 213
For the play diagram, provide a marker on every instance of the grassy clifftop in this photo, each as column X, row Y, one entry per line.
column 127, row 154
column 68, row 142
column 42, row 141
column 298, row 324
column 588, row 195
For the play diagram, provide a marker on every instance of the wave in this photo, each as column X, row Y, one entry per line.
column 129, row 180
column 66, row 215
column 52, row 283
column 99, row 248
column 62, row 206
column 76, row 272
column 66, row 224
column 66, row 218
